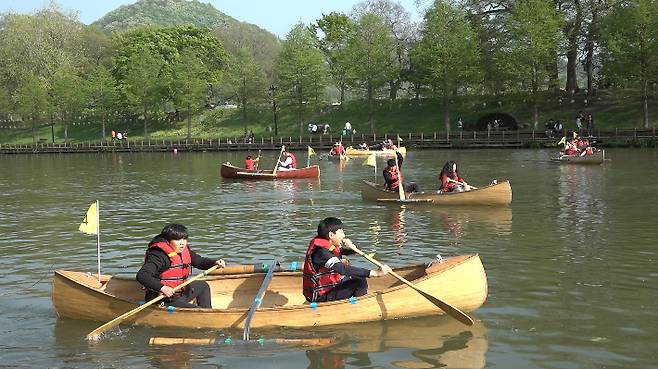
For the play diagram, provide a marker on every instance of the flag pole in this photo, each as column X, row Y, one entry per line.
column 375, row 171
column 308, row 157
column 98, row 238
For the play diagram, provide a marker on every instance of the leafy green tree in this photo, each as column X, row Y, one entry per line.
column 337, row 28
column 245, row 80
column 447, row 53
column 302, row 70
column 102, row 95
column 68, row 97
column 144, row 84
column 371, row 51
column 631, row 40
column 535, row 33
column 190, row 86
column 31, row 101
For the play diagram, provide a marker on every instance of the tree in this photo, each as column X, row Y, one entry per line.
column 535, row 31
column 631, row 40
column 371, row 50
column 102, row 94
column 31, row 101
column 245, row 80
column 337, row 28
column 67, row 97
column 144, row 85
column 301, row 70
column 190, row 86
column 447, row 54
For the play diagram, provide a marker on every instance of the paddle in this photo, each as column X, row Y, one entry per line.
column 401, row 183
column 461, row 183
column 258, row 299
column 276, row 165
column 95, row 334
column 257, row 161
column 449, row 309
column 227, row 341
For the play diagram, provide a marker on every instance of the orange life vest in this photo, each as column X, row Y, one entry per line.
column 180, row 268
column 249, row 164
column 294, row 160
column 318, row 282
column 395, row 176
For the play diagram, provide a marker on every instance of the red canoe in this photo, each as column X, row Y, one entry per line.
column 233, row 172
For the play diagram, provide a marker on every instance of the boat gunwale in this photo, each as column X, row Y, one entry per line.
column 371, row 295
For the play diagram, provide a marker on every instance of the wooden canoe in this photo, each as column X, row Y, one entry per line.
column 459, row 280
column 233, row 172
column 359, row 152
column 495, row 194
column 596, row 158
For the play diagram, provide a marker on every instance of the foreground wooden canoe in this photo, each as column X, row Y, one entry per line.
column 596, row 158
column 233, row 172
column 459, row 280
column 496, row 194
column 359, row 152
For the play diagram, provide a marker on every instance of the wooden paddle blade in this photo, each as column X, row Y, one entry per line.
column 258, row 298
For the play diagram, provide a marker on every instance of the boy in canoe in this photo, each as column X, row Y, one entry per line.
column 329, row 277
column 391, row 175
column 168, row 263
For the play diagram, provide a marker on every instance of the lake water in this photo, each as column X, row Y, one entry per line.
column 571, row 265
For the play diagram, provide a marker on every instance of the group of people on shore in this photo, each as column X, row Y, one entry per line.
column 118, row 135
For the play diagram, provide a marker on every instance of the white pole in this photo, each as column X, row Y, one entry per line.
column 308, row 157
column 98, row 238
column 375, row 174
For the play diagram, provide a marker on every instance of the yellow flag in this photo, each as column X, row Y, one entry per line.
column 372, row 160
column 311, row 151
column 89, row 224
column 575, row 135
column 562, row 141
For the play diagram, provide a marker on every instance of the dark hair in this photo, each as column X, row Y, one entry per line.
column 391, row 162
column 327, row 225
column 447, row 169
column 248, row 156
column 174, row 232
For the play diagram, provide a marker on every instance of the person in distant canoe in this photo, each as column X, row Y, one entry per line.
column 364, row 146
column 391, row 175
column 338, row 149
column 329, row 277
column 288, row 162
column 168, row 263
column 250, row 162
column 450, row 176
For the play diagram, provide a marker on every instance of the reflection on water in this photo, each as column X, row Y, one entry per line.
column 570, row 265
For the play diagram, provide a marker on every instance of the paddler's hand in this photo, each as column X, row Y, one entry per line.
column 220, row 263
column 348, row 244
column 167, row 291
column 382, row 271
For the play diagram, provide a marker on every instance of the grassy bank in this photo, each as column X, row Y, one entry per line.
column 610, row 109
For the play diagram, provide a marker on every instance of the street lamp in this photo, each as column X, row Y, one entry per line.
column 273, row 89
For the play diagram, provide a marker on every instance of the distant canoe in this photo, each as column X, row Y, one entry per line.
column 596, row 158
column 333, row 157
column 233, row 172
column 358, row 152
column 461, row 281
column 495, row 194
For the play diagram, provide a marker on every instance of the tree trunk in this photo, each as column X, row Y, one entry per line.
column 394, row 86
column 645, row 97
column 572, row 30
column 146, row 130
column 103, row 119
column 34, row 131
column 554, row 73
column 244, row 98
column 535, row 88
column 342, row 94
column 446, row 112
column 589, row 49
column 189, row 121
column 372, row 123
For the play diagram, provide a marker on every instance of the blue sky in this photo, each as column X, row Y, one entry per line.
column 276, row 16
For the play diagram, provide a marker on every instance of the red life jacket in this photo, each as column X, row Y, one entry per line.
column 448, row 186
column 395, row 177
column 294, row 160
column 249, row 164
column 180, row 268
column 319, row 282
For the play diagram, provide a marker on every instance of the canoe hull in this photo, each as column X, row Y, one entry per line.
column 80, row 296
column 499, row 194
column 233, row 172
column 594, row 159
column 350, row 151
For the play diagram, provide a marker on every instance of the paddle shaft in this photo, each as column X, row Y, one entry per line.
column 93, row 335
column 276, row 165
column 258, row 299
column 249, row 268
column 400, row 179
column 461, row 183
column 257, row 160
column 449, row 309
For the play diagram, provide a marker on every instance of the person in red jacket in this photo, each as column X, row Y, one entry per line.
column 329, row 277
column 450, row 179
column 168, row 263
column 250, row 162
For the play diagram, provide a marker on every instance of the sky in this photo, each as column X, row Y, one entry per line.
column 276, row 16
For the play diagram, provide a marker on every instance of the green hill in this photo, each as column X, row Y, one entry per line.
column 163, row 13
